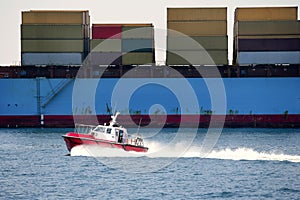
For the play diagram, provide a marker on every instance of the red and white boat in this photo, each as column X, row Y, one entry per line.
column 108, row 135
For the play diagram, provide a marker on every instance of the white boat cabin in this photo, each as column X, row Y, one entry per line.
column 110, row 133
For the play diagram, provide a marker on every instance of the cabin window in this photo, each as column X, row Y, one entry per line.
column 108, row 131
column 100, row 129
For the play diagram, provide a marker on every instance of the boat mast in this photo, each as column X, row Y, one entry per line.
column 139, row 126
column 114, row 118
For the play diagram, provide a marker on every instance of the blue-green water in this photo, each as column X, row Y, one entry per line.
column 244, row 164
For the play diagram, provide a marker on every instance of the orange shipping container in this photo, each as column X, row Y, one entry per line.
column 266, row 13
column 195, row 14
column 55, row 17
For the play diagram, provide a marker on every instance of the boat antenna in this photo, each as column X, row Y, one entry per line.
column 114, row 110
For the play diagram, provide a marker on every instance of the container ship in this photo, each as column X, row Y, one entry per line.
column 59, row 49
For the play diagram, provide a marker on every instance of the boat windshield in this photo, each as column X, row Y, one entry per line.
column 100, row 129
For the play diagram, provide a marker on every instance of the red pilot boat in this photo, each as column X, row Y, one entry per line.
column 109, row 135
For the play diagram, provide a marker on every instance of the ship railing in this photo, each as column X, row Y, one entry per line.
column 136, row 140
column 83, row 128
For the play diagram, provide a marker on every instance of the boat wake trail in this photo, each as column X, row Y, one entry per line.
column 161, row 150
column 251, row 154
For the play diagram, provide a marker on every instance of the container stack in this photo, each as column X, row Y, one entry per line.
column 54, row 37
column 204, row 39
column 106, row 44
column 138, row 44
column 122, row 44
column 266, row 36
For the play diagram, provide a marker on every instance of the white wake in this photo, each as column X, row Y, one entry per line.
column 251, row 154
column 161, row 150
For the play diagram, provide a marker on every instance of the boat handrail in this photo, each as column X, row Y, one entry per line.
column 83, row 128
column 137, row 140
column 85, row 125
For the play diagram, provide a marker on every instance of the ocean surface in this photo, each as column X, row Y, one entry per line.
column 243, row 164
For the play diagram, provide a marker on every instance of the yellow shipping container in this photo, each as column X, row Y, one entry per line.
column 195, row 14
column 198, row 28
column 55, row 17
column 266, row 13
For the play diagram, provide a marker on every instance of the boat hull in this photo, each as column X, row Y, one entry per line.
column 74, row 139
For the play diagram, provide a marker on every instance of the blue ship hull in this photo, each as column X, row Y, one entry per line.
column 51, row 102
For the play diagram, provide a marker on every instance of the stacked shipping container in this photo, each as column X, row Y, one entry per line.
column 54, row 37
column 266, row 36
column 205, row 40
column 138, row 44
column 122, row 44
column 261, row 36
column 106, row 44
